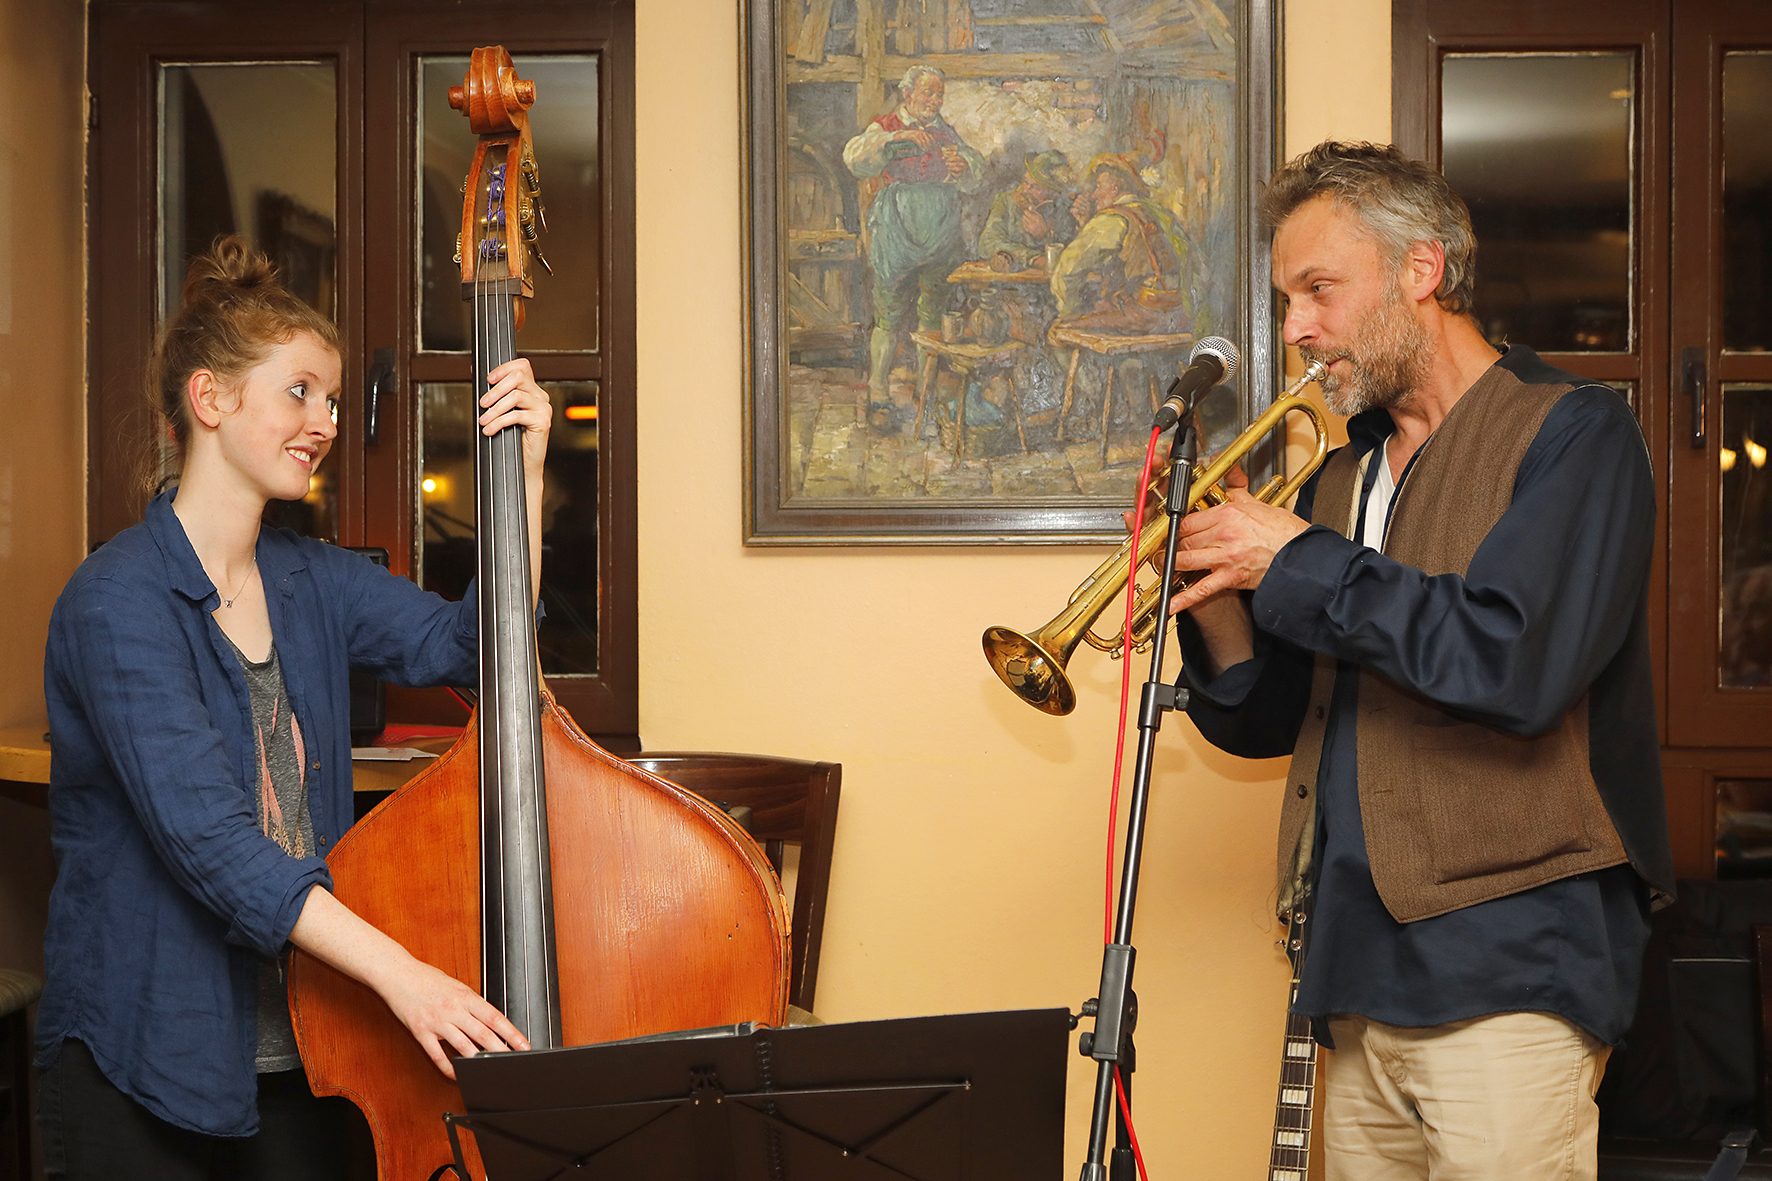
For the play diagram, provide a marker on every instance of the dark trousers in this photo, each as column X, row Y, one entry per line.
column 94, row 1132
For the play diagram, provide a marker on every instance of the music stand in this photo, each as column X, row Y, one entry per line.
column 965, row 1097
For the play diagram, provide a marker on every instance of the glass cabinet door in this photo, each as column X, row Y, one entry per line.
column 1540, row 146
column 251, row 149
column 562, row 319
column 1720, row 625
column 576, row 333
column 1553, row 139
column 207, row 120
column 321, row 134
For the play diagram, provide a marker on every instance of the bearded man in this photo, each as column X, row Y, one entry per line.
column 1449, row 635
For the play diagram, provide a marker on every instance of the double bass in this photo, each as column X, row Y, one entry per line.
column 587, row 899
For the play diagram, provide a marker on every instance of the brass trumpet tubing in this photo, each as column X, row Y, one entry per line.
column 1033, row 666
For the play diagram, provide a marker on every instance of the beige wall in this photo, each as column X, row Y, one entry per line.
column 42, row 449
column 969, row 857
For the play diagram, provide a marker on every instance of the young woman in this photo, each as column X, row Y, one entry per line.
column 197, row 683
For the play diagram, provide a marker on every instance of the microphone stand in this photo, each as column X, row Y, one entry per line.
column 1115, row 1007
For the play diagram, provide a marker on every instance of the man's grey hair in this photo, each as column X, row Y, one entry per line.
column 906, row 83
column 1400, row 202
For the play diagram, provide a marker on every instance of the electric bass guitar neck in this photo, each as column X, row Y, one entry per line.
column 1289, row 1158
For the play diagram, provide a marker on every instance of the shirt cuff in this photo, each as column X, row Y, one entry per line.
column 310, row 872
column 1305, row 575
column 1229, row 688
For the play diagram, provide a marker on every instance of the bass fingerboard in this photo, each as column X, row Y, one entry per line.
column 1289, row 1159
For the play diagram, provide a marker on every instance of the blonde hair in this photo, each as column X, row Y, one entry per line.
column 232, row 313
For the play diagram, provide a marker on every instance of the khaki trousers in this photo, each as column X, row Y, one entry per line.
column 1508, row 1097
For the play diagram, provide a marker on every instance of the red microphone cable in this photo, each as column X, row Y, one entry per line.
column 1144, row 480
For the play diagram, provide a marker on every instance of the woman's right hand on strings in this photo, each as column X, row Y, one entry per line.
column 446, row 1017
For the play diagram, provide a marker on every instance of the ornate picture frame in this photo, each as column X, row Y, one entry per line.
column 980, row 236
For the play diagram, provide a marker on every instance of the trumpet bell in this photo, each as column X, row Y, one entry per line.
column 1031, row 672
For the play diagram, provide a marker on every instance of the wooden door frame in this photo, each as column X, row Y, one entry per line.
column 130, row 38
column 1418, row 45
column 1701, row 712
column 128, row 41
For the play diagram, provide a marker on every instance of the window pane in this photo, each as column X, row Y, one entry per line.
column 1747, row 201
column 251, row 149
column 1539, row 146
column 569, row 586
column 1745, row 617
column 1744, row 828
column 563, row 122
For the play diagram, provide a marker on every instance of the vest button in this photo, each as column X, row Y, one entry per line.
column 1319, row 712
column 1303, row 791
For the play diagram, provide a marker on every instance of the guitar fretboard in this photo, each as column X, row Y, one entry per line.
column 1289, row 1158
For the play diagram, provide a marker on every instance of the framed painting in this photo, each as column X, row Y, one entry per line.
column 983, row 236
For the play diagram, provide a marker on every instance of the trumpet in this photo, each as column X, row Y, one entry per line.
column 1033, row 666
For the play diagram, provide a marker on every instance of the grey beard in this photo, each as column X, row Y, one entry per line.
column 1388, row 361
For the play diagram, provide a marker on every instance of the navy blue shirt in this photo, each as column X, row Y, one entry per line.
column 1551, row 607
column 167, row 892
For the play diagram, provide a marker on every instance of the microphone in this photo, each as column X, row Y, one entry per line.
column 1212, row 361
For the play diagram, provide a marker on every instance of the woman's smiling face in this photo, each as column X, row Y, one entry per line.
column 284, row 418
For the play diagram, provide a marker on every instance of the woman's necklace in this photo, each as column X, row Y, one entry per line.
column 243, row 582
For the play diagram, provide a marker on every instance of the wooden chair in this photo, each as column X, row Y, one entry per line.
column 791, row 801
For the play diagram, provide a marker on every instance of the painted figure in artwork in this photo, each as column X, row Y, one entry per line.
column 1136, row 248
column 914, row 166
column 1036, row 213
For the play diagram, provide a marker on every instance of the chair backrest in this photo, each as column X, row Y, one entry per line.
column 792, row 801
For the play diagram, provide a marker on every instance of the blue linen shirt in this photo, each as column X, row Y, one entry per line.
column 1553, row 605
column 166, row 891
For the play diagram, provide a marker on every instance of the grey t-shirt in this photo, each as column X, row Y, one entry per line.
column 280, row 801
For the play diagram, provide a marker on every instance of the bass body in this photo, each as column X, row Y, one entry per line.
column 587, row 899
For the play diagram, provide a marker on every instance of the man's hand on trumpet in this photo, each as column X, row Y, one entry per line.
column 1235, row 542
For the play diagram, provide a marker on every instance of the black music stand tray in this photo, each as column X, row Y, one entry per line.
column 966, row 1097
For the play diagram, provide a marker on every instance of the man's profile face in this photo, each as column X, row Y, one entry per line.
column 1107, row 188
column 924, row 100
column 1345, row 307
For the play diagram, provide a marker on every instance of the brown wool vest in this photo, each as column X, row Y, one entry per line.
column 1455, row 812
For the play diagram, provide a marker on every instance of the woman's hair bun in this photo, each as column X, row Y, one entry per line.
column 232, row 313
column 229, row 265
